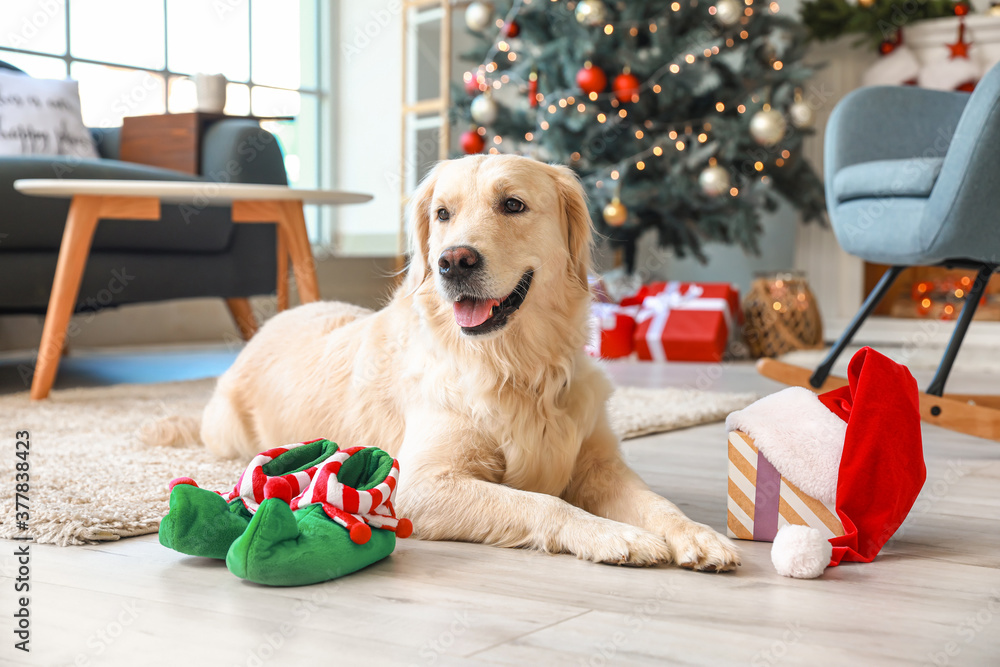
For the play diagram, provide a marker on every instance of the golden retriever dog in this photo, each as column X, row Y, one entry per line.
column 474, row 376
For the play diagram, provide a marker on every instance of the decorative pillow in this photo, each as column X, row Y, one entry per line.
column 42, row 117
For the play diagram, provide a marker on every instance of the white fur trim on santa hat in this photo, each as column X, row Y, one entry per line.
column 801, row 438
column 892, row 69
column 800, row 552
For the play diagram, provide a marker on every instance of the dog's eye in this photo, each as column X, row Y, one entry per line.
column 443, row 215
column 512, row 205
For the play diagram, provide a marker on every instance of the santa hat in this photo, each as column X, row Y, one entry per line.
column 856, row 448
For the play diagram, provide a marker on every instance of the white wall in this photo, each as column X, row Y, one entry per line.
column 367, row 69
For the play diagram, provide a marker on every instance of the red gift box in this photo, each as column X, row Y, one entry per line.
column 685, row 321
column 612, row 330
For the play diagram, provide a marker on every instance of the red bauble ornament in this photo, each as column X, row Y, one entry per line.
column 591, row 79
column 472, row 85
column 626, row 87
column 472, row 142
column 511, row 29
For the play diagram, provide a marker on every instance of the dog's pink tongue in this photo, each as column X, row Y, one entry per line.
column 473, row 312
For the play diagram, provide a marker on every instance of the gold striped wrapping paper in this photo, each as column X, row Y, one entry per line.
column 756, row 511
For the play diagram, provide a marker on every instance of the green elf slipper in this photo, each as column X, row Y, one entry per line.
column 201, row 522
column 205, row 523
column 326, row 531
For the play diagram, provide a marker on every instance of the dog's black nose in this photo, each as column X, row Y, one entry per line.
column 458, row 261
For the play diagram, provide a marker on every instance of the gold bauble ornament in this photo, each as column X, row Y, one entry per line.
column 767, row 127
column 484, row 110
column 714, row 180
column 478, row 16
column 866, row 3
column 801, row 114
column 615, row 213
column 728, row 12
column 591, row 12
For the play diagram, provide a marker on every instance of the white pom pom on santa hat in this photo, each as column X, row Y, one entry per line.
column 801, row 552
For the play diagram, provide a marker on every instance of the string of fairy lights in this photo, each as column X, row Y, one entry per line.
column 767, row 126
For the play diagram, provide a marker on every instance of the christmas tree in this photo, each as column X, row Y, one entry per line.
column 686, row 118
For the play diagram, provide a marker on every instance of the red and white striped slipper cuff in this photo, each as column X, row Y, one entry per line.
column 250, row 487
column 799, row 436
column 374, row 505
column 354, row 509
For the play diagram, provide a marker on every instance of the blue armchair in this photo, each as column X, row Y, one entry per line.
column 913, row 179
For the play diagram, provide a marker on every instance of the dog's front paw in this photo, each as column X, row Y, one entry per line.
column 617, row 544
column 698, row 547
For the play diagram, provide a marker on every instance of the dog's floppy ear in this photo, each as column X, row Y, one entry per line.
column 418, row 229
column 576, row 218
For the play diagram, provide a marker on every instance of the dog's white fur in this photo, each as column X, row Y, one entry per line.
column 503, row 438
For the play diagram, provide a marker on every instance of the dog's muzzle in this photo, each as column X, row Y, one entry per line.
column 477, row 316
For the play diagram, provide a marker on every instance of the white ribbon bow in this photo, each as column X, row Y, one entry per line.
column 604, row 317
column 606, row 314
column 658, row 307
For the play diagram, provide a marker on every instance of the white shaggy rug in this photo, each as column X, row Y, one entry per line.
column 92, row 480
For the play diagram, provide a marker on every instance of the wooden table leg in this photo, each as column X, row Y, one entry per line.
column 282, row 268
column 73, row 251
column 303, row 264
column 242, row 312
column 292, row 236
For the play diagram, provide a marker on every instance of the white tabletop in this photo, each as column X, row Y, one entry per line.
column 198, row 192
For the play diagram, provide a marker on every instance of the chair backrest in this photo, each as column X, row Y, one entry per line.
column 961, row 212
column 6, row 65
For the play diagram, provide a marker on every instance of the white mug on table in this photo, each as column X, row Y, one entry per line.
column 210, row 92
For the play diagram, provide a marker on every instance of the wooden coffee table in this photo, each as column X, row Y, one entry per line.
column 141, row 200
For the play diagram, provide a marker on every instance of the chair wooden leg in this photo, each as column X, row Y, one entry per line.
column 282, row 269
column 951, row 412
column 242, row 312
column 988, row 400
column 303, row 264
column 73, row 252
column 796, row 376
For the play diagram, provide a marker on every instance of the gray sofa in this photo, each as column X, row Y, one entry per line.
column 186, row 254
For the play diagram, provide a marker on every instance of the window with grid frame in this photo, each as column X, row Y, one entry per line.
column 135, row 57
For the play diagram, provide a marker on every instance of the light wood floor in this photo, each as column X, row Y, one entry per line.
column 932, row 597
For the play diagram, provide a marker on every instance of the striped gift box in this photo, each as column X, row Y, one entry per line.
column 761, row 501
